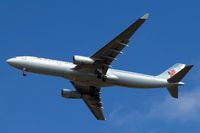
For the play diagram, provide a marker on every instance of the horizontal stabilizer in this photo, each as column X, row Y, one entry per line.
column 173, row 90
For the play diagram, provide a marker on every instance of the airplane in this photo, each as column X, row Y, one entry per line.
column 89, row 74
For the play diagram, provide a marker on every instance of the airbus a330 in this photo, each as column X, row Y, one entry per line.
column 89, row 74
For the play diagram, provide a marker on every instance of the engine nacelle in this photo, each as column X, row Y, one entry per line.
column 67, row 93
column 82, row 60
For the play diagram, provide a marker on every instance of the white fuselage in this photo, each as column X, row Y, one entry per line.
column 66, row 70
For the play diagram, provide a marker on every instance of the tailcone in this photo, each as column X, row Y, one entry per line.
column 181, row 83
column 177, row 83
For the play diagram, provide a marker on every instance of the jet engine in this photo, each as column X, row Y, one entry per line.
column 82, row 60
column 67, row 93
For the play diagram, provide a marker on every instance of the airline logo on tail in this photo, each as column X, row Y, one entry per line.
column 172, row 73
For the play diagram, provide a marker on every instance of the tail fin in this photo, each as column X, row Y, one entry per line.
column 174, row 75
column 171, row 71
column 179, row 75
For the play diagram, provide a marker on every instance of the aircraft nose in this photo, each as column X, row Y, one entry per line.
column 11, row 61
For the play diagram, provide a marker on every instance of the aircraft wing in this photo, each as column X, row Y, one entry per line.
column 91, row 96
column 104, row 57
column 94, row 104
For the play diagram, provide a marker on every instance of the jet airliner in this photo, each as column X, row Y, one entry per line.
column 89, row 74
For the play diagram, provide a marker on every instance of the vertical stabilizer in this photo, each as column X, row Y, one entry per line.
column 171, row 71
column 179, row 75
column 174, row 75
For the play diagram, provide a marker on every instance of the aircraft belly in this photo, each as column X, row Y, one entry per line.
column 46, row 69
column 87, row 79
column 139, row 81
column 65, row 71
column 120, row 78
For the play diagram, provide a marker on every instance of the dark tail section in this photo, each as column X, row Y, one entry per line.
column 179, row 76
column 173, row 90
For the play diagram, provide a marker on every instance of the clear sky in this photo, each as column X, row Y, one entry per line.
column 59, row 29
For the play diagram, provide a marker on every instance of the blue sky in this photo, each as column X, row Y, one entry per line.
column 60, row 29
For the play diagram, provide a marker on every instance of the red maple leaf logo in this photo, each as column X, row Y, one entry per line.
column 172, row 73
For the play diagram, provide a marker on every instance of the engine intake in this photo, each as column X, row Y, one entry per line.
column 67, row 93
column 78, row 60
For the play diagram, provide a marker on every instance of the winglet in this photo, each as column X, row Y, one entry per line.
column 145, row 16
